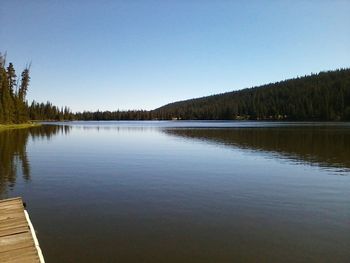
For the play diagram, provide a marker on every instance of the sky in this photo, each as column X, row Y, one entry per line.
column 111, row 55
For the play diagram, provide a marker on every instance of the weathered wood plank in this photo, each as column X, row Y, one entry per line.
column 10, row 200
column 27, row 254
column 18, row 243
column 11, row 208
column 14, row 215
column 13, row 222
column 14, row 203
column 13, row 230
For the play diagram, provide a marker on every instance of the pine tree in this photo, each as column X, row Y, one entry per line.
column 6, row 99
column 22, row 107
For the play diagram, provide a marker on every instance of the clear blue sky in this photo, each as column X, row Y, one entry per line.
column 143, row 54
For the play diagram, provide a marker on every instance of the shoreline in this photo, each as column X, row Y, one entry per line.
column 4, row 127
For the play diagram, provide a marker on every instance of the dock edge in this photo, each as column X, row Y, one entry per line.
column 36, row 242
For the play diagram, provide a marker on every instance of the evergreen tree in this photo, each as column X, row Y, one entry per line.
column 6, row 99
column 22, row 107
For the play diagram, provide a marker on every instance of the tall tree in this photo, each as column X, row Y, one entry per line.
column 7, row 99
column 21, row 103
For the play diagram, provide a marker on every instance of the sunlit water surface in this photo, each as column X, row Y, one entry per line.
column 183, row 191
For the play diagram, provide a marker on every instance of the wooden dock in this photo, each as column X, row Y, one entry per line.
column 18, row 242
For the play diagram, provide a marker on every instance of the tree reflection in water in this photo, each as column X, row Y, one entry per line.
column 327, row 147
column 13, row 152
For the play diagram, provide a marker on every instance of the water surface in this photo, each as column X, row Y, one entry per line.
column 183, row 191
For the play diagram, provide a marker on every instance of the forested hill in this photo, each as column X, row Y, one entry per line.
column 323, row 96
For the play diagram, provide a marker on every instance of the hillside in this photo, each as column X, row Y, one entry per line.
column 323, row 96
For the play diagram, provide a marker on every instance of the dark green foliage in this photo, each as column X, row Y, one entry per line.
column 114, row 115
column 48, row 112
column 13, row 107
column 20, row 101
column 11, row 77
column 7, row 84
column 323, row 96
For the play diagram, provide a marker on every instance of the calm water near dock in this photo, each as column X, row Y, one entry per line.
column 183, row 191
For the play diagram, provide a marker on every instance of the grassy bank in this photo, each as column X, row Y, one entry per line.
column 18, row 126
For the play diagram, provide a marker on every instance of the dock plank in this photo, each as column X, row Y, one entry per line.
column 13, row 230
column 19, row 255
column 16, row 236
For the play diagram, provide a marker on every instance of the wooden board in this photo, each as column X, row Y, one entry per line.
column 16, row 240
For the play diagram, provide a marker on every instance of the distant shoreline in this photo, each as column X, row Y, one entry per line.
column 192, row 120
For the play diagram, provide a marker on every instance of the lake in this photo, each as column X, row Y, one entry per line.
column 183, row 191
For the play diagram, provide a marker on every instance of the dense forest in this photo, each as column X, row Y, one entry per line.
column 323, row 96
column 14, row 106
column 114, row 115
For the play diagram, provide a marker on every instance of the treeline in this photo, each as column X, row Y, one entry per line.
column 48, row 112
column 323, row 96
column 114, row 115
column 14, row 107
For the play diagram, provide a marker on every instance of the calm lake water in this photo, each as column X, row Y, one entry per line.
column 183, row 191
